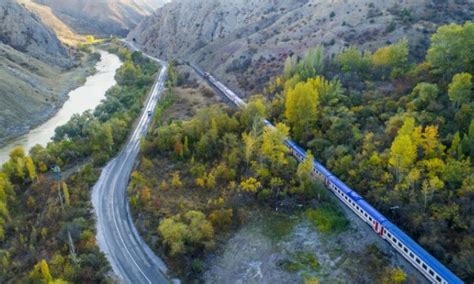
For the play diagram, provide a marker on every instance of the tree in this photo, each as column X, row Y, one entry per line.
column 394, row 276
column 251, row 141
column 200, row 230
column 174, row 235
column 176, row 180
column 273, row 148
column 291, row 66
column 301, row 108
column 305, row 169
column 128, row 74
column 353, row 60
column 394, row 55
column 20, row 168
column 424, row 94
column 250, row 185
column 67, row 198
column 402, row 155
column 460, row 89
column 451, row 50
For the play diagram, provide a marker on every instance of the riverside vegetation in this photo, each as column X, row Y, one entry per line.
column 399, row 132
column 47, row 228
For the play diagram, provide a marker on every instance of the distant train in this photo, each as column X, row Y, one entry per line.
column 429, row 266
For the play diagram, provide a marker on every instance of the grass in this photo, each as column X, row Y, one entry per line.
column 327, row 218
column 278, row 226
column 301, row 261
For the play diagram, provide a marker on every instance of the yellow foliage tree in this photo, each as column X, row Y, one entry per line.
column 301, row 107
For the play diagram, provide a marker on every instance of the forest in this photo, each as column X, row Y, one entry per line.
column 202, row 176
column 398, row 131
column 47, row 227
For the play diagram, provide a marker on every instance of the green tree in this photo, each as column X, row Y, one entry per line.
column 353, row 60
column 451, row 50
column 460, row 89
column 174, row 235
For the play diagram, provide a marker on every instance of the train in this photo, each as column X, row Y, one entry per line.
column 429, row 266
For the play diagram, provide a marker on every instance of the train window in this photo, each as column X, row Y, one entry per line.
column 406, row 250
column 400, row 244
column 370, row 218
column 418, row 260
column 389, row 235
column 424, row 266
column 431, row 272
column 438, row 278
column 412, row 255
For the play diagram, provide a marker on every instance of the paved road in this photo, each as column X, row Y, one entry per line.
column 130, row 257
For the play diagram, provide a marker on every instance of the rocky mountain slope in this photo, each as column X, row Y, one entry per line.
column 25, row 32
column 36, row 70
column 101, row 17
column 235, row 38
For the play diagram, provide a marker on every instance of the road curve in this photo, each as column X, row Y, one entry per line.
column 130, row 257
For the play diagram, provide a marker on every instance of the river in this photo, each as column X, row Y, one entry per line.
column 85, row 97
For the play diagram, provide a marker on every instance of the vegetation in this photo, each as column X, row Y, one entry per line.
column 219, row 164
column 398, row 132
column 47, row 228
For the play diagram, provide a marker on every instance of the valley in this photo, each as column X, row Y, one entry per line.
column 239, row 141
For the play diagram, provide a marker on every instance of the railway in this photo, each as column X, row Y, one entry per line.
column 424, row 262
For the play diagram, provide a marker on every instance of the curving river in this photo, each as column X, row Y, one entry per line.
column 86, row 97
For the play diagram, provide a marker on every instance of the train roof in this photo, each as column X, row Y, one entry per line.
column 322, row 169
column 296, row 147
column 342, row 186
column 422, row 253
column 374, row 213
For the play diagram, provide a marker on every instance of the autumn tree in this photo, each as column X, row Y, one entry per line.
column 393, row 57
column 460, row 89
column 272, row 147
column 174, row 235
column 301, row 108
column 20, row 168
column 402, row 154
column 305, row 169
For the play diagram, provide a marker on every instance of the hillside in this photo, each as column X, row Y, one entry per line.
column 25, row 32
column 35, row 70
column 233, row 37
column 100, row 18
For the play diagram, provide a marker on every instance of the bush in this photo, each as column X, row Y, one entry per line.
column 327, row 218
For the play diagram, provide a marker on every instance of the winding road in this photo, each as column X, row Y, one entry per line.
column 130, row 257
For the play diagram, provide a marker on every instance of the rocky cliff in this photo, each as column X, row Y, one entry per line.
column 25, row 32
column 36, row 70
column 101, row 17
column 247, row 41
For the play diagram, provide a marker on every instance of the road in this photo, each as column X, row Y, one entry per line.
column 130, row 257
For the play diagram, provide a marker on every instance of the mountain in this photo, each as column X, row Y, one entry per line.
column 101, row 17
column 235, row 38
column 36, row 70
column 25, row 32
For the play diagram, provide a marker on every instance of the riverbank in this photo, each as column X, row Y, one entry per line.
column 64, row 84
column 85, row 97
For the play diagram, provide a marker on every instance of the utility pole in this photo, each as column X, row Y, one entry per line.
column 58, row 178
